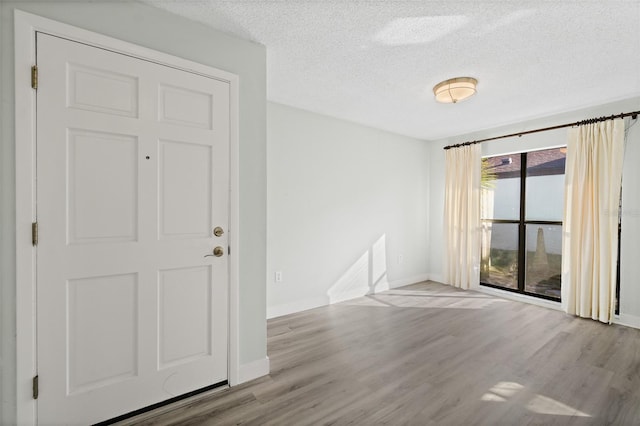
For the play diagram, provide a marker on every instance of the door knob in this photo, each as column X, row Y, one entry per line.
column 217, row 231
column 217, row 252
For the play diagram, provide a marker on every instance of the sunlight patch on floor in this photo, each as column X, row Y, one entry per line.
column 506, row 389
column 543, row 405
column 540, row 404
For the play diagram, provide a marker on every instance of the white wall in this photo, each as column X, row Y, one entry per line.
column 155, row 29
column 630, row 267
column 344, row 201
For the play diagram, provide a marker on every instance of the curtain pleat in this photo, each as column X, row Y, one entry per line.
column 462, row 216
column 593, row 177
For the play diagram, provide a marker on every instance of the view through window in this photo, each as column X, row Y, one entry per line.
column 522, row 205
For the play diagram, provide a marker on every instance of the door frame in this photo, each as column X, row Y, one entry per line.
column 26, row 25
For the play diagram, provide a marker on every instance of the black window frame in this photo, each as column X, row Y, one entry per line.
column 522, row 229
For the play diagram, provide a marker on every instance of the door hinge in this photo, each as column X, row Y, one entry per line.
column 228, row 249
column 34, row 77
column 35, row 387
column 34, row 233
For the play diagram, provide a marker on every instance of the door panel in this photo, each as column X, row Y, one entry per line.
column 185, row 214
column 185, row 107
column 99, row 90
column 102, row 210
column 106, row 306
column 180, row 310
column 132, row 177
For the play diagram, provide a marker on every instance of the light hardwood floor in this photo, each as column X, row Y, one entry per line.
column 429, row 354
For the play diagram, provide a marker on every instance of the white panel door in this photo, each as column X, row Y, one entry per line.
column 132, row 178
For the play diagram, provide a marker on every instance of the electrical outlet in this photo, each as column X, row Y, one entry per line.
column 278, row 276
column 400, row 259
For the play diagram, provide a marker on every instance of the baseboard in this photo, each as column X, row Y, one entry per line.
column 622, row 319
column 304, row 305
column 407, row 281
column 627, row 320
column 292, row 308
column 253, row 370
column 439, row 278
column 520, row 297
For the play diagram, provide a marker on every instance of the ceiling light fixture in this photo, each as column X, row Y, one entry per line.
column 455, row 89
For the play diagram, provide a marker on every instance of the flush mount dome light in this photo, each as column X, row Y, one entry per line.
column 455, row 89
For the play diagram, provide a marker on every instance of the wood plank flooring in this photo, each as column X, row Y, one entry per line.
column 429, row 354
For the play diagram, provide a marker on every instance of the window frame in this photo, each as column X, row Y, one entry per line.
column 522, row 229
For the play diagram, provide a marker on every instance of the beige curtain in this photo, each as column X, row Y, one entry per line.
column 462, row 216
column 590, row 243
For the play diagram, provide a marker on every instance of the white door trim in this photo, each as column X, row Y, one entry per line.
column 25, row 26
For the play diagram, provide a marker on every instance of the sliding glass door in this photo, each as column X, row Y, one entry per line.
column 522, row 204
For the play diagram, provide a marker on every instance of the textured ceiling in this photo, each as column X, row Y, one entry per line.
column 376, row 62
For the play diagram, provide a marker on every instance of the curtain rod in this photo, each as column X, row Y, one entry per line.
column 633, row 115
